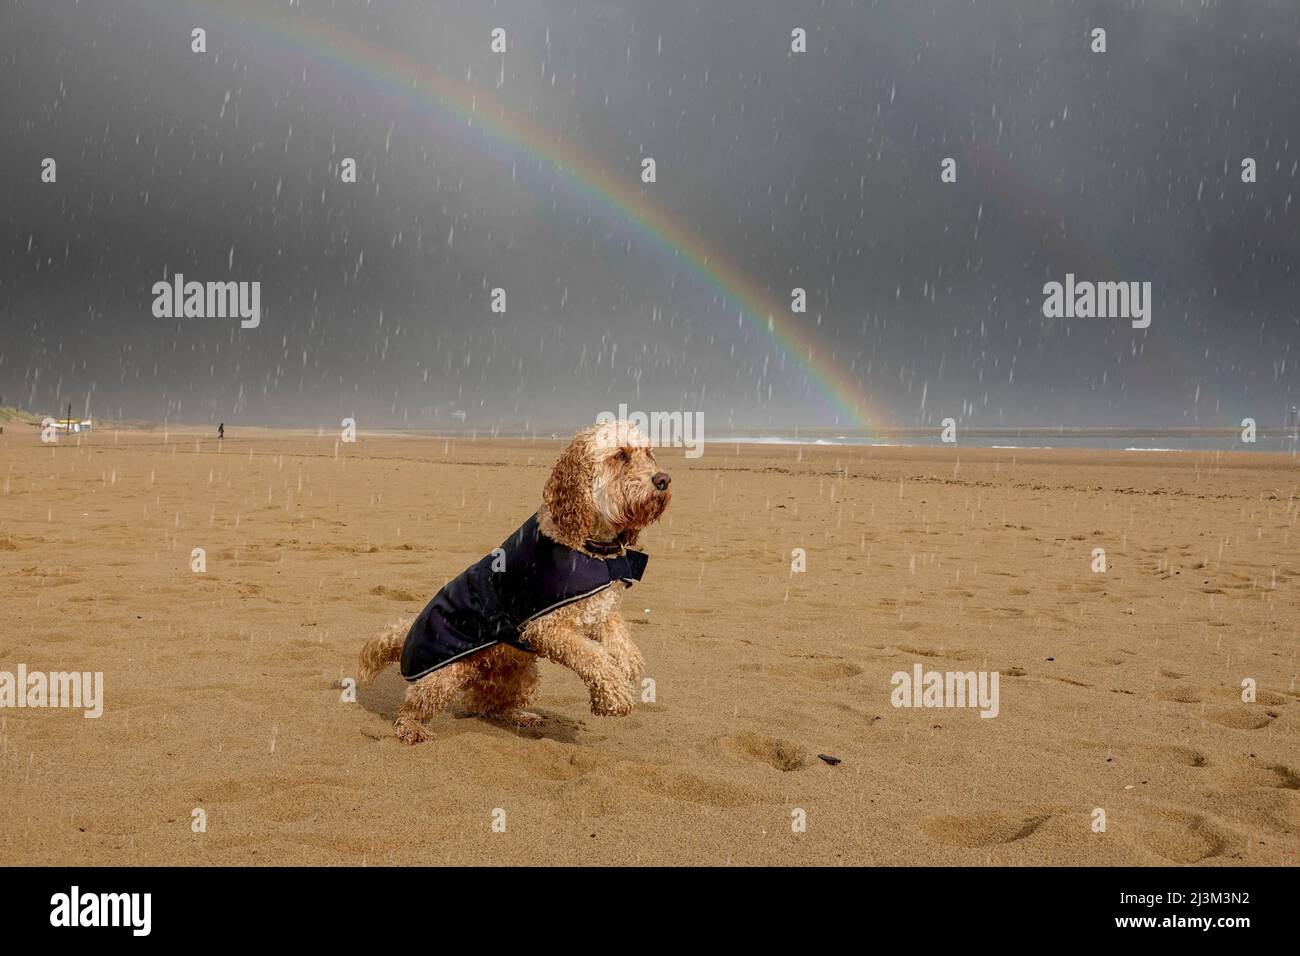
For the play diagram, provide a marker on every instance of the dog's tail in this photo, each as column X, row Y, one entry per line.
column 381, row 650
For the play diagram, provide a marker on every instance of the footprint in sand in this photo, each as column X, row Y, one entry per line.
column 1270, row 698
column 835, row 670
column 1072, row 683
column 554, row 761
column 1181, row 836
column 395, row 594
column 1165, row 754
column 1242, row 717
column 919, row 651
column 1278, row 776
column 990, row 829
column 1179, row 695
column 1268, row 808
column 779, row 754
column 999, row 613
column 692, row 788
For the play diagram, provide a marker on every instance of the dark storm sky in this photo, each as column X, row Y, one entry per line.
column 819, row 170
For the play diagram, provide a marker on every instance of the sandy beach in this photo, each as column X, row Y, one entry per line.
column 1120, row 691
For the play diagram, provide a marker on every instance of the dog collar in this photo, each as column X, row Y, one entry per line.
column 605, row 547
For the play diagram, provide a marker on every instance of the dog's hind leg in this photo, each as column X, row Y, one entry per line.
column 381, row 650
column 429, row 695
column 504, row 686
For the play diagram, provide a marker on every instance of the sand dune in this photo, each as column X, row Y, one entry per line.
column 1119, row 691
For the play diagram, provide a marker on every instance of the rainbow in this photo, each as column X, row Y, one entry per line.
column 840, row 385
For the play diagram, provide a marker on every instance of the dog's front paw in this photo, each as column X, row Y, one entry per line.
column 410, row 731
column 614, row 700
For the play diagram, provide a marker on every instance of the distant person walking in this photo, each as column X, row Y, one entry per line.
column 221, row 431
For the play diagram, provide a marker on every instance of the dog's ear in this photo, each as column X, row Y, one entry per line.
column 567, row 494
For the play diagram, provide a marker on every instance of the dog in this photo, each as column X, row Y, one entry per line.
column 552, row 590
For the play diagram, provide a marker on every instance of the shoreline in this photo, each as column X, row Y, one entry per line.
column 1272, row 441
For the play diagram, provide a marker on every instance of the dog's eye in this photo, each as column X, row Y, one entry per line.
column 622, row 455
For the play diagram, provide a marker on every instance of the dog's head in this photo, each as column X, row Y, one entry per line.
column 605, row 485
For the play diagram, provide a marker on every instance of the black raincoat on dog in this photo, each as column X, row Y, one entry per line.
column 491, row 601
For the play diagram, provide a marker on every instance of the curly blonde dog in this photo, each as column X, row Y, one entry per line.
column 604, row 489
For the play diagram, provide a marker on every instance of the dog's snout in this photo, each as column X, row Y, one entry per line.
column 661, row 480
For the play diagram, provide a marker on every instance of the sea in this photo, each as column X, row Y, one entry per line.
column 1274, row 440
